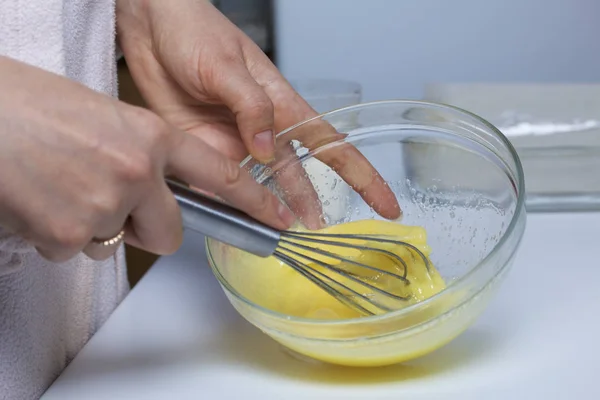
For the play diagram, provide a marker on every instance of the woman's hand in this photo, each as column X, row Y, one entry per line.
column 202, row 74
column 77, row 165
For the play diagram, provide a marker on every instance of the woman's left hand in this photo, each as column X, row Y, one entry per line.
column 201, row 73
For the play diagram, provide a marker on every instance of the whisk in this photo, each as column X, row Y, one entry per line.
column 348, row 280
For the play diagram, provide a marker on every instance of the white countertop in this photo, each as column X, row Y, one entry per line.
column 177, row 337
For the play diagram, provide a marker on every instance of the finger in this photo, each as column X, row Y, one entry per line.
column 195, row 162
column 108, row 236
column 59, row 239
column 103, row 248
column 57, row 254
column 347, row 161
column 344, row 158
column 155, row 223
column 296, row 188
column 298, row 194
column 252, row 108
column 227, row 142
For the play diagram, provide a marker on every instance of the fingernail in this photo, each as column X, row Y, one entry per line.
column 286, row 215
column 264, row 143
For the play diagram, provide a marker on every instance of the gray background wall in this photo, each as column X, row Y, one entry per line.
column 393, row 47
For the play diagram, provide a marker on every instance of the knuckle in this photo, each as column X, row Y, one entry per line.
column 262, row 205
column 137, row 167
column 105, row 204
column 229, row 57
column 136, row 162
column 157, row 133
column 231, row 172
column 214, row 70
column 258, row 105
column 55, row 255
column 68, row 236
column 152, row 128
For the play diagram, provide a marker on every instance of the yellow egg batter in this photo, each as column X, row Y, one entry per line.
column 274, row 285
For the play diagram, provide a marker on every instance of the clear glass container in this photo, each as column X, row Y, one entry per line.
column 452, row 172
column 555, row 129
column 325, row 95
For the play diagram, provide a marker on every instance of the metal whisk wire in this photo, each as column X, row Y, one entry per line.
column 229, row 225
column 286, row 253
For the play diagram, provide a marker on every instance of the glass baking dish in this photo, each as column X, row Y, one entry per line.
column 555, row 129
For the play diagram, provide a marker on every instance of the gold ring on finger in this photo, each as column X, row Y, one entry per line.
column 110, row 242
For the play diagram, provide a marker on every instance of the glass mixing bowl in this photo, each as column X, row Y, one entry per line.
column 453, row 174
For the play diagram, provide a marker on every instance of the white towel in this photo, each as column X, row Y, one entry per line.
column 48, row 311
column 73, row 38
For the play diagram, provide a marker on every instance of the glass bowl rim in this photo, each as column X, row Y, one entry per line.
column 516, row 218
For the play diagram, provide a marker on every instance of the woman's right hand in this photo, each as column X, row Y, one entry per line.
column 77, row 165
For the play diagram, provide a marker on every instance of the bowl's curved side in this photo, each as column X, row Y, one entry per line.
column 384, row 350
column 381, row 348
column 392, row 338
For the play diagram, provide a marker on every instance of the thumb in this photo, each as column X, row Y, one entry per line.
column 252, row 108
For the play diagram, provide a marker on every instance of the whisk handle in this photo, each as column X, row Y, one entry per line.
column 224, row 223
